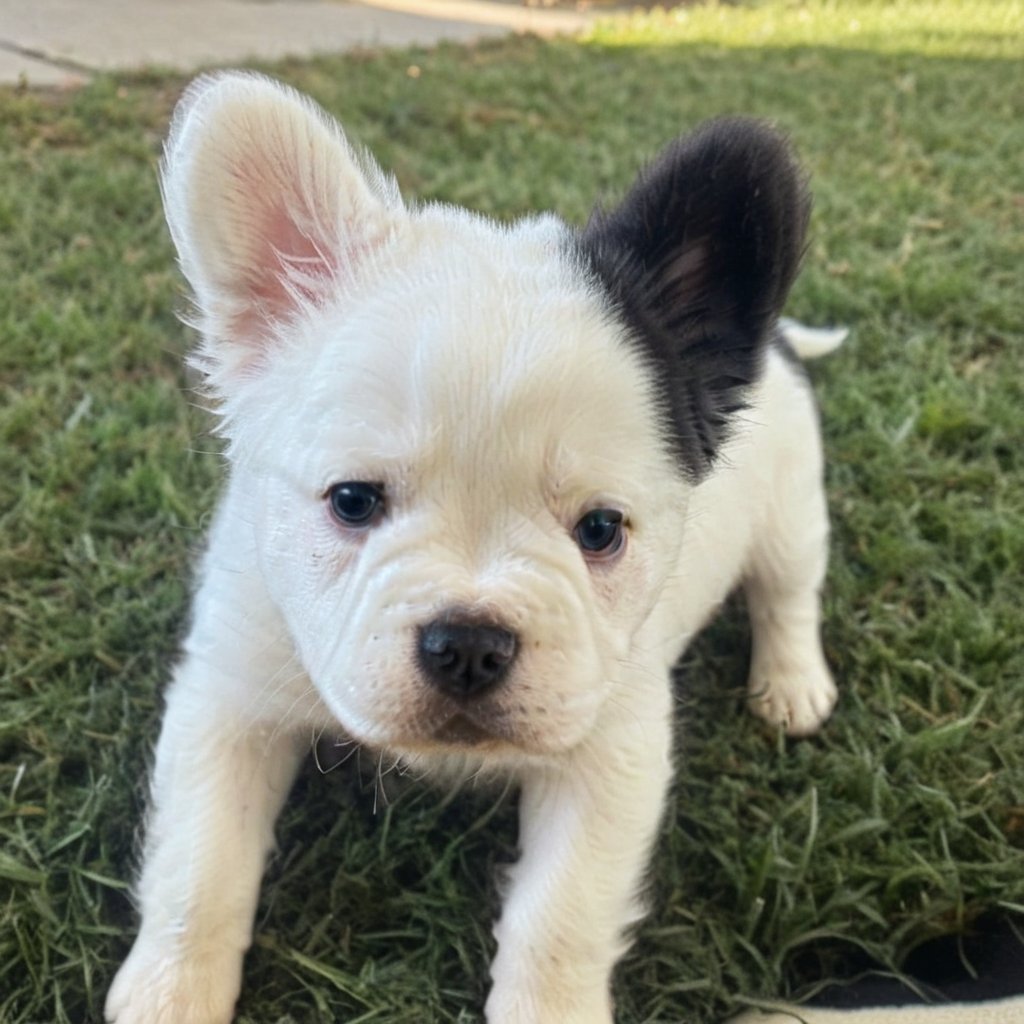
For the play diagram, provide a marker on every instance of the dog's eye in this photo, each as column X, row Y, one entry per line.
column 600, row 533
column 355, row 503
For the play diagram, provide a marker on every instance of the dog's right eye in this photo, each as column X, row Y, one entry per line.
column 600, row 533
column 356, row 503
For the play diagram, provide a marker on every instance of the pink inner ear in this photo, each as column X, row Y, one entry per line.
column 287, row 263
column 684, row 273
column 291, row 246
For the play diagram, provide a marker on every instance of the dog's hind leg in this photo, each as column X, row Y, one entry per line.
column 790, row 684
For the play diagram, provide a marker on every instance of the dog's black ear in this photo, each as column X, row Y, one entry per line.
column 698, row 258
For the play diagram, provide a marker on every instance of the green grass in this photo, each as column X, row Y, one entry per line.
column 779, row 862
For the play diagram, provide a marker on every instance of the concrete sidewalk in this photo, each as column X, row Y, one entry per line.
column 61, row 42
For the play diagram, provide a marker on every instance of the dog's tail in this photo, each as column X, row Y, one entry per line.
column 811, row 342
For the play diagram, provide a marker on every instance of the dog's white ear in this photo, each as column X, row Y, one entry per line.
column 270, row 208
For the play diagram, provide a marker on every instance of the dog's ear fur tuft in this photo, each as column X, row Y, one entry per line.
column 269, row 207
column 698, row 258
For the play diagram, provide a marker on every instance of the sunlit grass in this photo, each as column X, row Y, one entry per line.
column 948, row 28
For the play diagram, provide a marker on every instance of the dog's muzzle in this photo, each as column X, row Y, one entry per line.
column 465, row 658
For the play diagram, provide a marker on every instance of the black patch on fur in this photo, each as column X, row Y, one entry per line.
column 698, row 259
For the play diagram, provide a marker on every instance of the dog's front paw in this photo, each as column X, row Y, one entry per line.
column 525, row 1011
column 792, row 688
column 153, row 987
column 526, row 1004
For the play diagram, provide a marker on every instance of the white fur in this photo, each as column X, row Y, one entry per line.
column 473, row 370
column 812, row 342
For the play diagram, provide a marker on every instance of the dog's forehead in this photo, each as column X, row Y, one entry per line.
column 488, row 342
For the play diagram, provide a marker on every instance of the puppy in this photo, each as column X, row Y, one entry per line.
column 486, row 482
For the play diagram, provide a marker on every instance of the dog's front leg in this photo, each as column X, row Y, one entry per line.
column 586, row 832
column 218, row 785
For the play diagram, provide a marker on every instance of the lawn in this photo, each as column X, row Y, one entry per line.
column 780, row 863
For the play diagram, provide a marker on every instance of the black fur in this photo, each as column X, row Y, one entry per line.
column 698, row 259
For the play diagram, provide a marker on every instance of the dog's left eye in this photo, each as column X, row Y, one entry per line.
column 355, row 503
column 600, row 533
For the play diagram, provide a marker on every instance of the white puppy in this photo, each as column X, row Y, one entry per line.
column 486, row 482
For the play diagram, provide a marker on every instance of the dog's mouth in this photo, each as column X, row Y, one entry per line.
column 445, row 726
column 462, row 731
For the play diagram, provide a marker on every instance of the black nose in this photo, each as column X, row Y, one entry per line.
column 464, row 658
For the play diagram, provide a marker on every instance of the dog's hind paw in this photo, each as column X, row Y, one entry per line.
column 792, row 690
